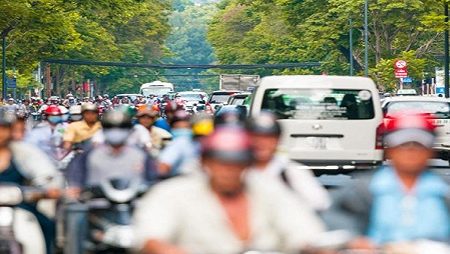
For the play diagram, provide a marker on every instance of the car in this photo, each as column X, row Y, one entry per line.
column 238, row 99
column 192, row 99
column 406, row 92
column 437, row 107
column 332, row 124
column 220, row 98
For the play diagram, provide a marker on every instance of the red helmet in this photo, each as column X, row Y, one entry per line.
column 410, row 121
column 410, row 127
column 53, row 110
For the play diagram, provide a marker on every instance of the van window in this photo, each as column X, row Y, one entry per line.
column 440, row 110
column 319, row 104
column 219, row 98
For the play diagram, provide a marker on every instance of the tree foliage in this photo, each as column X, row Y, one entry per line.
column 98, row 30
column 271, row 31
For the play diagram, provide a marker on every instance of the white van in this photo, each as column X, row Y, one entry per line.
column 330, row 123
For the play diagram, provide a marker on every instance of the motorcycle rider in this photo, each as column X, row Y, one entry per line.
column 175, row 158
column 224, row 210
column 11, row 105
column 48, row 135
column 75, row 113
column 265, row 134
column 146, row 133
column 401, row 202
column 112, row 159
column 25, row 165
column 79, row 133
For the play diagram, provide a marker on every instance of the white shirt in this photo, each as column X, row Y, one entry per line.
column 301, row 181
column 186, row 213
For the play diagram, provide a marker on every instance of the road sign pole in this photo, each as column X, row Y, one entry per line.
column 446, row 53
column 4, row 67
column 351, row 46
column 366, row 38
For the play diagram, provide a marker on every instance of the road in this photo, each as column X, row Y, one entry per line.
column 439, row 166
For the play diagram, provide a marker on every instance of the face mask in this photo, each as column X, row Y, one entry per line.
column 116, row 136
column 181, row 133
column 76, row 117
column 55, row 119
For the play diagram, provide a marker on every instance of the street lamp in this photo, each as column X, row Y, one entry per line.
column 366, row 38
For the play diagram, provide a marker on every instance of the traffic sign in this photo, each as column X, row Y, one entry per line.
column 11, row 82
column 400, row 69
column 407, row 80
column 401, row 73
column 400, row 64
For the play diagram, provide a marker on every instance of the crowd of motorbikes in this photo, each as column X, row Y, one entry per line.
column 105, row 211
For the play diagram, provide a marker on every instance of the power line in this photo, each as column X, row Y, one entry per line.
column 183, row 66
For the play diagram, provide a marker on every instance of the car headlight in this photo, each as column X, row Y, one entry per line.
column 10, row 195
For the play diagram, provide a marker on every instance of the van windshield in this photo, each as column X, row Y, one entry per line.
column 439, row 110
column 319, row 104
column 158, row 91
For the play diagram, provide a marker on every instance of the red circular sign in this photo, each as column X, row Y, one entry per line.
column 400, row 64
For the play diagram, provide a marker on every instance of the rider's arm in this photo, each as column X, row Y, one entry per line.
column 156, row 219
column 170, row 156
column 69, row 136
column 294, row 221
column 160, row 247
column 308, row 187
column 36, row 166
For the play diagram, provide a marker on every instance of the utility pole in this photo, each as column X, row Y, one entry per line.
column 446, row 53
column 351, row 46
column 366, row 38
column 4, row 86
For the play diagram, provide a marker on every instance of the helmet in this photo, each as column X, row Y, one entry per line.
column 53, row 110
column 410, row 127
column 69, row 95
column 75, row 110
column 7, row 118
column 180, row 115
column 116, row 119
column 202, row 124
column 106, row 96
column 265, row 124
column 228, row 144
column 146, row 111
column 88, row 106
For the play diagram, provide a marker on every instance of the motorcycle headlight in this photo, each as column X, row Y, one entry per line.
column 10, row 195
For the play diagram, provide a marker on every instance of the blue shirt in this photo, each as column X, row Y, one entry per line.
column 400, row 216
column 179, row 153
column 162, row 123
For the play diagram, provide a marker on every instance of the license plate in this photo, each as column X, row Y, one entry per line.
column 318, row 143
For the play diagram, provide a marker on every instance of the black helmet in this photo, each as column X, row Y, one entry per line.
column 116, row 119
column 7, row 118
column 265, row 123
column 228, row 144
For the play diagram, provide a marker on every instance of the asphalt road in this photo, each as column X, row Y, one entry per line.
column 332, row 181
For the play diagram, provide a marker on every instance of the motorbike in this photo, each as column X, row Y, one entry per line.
column 106, row 213
column 20, row 232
